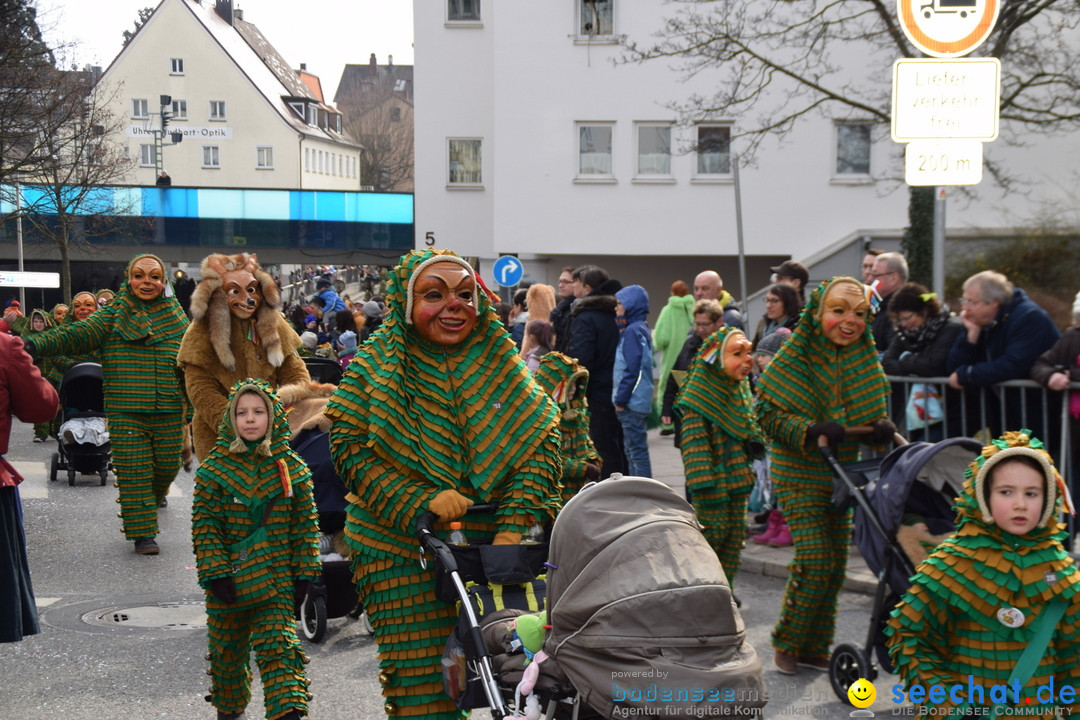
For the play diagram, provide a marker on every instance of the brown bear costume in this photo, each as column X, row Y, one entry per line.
column 237, row 331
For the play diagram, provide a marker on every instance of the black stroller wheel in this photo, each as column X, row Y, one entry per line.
column 104, row 477
column 313, row 618
column 71, row 475
column 847, row 664
column 54, row 466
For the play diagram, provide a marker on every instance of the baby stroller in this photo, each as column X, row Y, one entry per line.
column 323, row 370
column 629, row 574
column 915, row 481
column 84, row 446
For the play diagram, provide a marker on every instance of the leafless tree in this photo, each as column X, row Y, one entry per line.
column 382, row 121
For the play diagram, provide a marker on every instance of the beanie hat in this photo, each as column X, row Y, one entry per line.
column 309, row 319
column 770, row 344
column 310, row 340
column 1012, row 444
column 322, row 283
column 347, row 340
column 372, row 309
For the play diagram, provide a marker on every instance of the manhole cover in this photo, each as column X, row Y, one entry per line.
column 184, row 615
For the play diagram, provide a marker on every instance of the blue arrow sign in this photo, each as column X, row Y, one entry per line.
column 508, row 271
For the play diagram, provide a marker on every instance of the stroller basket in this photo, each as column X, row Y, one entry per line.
column 483, row 563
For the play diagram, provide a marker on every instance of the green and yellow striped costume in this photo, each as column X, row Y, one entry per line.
column 812, row 380
column 946, row 628
column 136, row 343
column 411, row 419
column 719, row 433
column 24, row 328
column 235, row 484
column 566, row 380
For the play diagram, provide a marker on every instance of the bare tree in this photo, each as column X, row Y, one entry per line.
column 382, row 121
column 777, row 61
column 64, row 178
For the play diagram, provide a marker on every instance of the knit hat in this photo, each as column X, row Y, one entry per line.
column 770, row 344
column 309, row 319
column 347, row 340
column 1012, row 444
column 372, row 309
column 322, row 283
column 310, row 339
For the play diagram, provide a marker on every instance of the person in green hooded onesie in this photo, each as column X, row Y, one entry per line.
column 981, row 598
column 720, row 440
column 826, row 378
column 135, row 338
column 256, row 536
column 437, row 411
column 565, row 380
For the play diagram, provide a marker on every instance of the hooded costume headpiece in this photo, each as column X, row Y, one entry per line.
column 149, row 321
column 715, row 395
column 1011, row 445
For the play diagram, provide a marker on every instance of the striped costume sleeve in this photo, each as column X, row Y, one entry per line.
column 916, row 633
column 207, row 534
column 305, row 530
column 697, row 453
column 84, row 336
column 780, row 426
column 530, row 492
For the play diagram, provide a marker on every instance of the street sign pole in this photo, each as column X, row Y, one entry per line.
column 939, row 244
column 19, row 238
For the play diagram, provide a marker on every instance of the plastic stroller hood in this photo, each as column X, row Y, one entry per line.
column 641, row 611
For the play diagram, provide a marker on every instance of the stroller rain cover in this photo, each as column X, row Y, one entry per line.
column 642, row 619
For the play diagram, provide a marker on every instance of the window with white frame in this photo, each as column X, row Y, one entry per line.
column 463, row 10
column 146, row 156
column 140, row 108
column 595, row 142
column 713, row 150
column 211, row 157
column 179, row 109
column 596, row 17
column 465, row 161
column 852, row 148
column 307, row 159
column 176, row 66
column 264, row 157
column 654, row 149
column 217, row 109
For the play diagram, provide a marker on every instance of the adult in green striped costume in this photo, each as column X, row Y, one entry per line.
column 720, row 439
column 136, row 337
column 256, row 537
column 437, row 411
column 826, row 377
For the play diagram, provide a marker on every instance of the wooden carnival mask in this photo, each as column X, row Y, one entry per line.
column 147, row 278
column 738, row 358
column 444, row 303
column 83, row 305
column 241, row 287
column 844, row 313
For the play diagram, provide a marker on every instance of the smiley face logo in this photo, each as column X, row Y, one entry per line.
column 861, row 693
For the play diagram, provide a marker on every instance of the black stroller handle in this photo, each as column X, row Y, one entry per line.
column 826, row 451
column 431, row 543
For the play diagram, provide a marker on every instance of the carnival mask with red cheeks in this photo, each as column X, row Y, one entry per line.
column 83, row 305
column 147, row 278
column 844, row 311
column 738, row 358
column 243, row 293
column 444, row 303
column 60, row 312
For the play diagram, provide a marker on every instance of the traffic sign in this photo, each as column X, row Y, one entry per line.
column 947, row 28
column 508, row 270
column 935, row 99
column 943, row 162
column 29, row 279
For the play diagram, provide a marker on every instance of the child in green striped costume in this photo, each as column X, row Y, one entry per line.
column 255, row 532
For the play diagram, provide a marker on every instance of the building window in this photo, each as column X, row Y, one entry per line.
column 463, row 10
column 264, row 157
column 654, row 149
column 307, row 159
column 713, row 150
column 217, row 109
column 146, row 156
column 395, row 114
column 594, row 149
column 465, row 161
column 596, row 17
column 179, row 109
column 210, row 156
column 177, row 65
column 140, row 108
column 853, row 149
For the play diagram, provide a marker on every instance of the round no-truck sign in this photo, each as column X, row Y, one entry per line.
column 947, row 28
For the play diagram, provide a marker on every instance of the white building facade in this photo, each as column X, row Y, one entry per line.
column 532, row 139
column 247, row 119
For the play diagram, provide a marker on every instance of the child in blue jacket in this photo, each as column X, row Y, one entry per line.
column 633, row 376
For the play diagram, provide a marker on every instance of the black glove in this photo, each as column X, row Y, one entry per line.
column 300, row 588
column 224, row 589
column 884, row 429
column 833, row 431
column 592, row 471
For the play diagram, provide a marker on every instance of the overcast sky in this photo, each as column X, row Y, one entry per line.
column 325, row 34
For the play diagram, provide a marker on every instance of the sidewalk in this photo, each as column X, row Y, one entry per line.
column 762, row 559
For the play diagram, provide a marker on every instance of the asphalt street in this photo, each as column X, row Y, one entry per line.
column 123, row 635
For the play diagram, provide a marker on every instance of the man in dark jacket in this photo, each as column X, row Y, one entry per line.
column 594, row 337
column 1005, row 332
column 560, row 316
column 890, row 272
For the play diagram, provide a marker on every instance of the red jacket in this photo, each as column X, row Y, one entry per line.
column 23, row 392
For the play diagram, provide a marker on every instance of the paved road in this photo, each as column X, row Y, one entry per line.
column 123, row 636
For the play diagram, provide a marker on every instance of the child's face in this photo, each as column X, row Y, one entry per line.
column 1017, row 494
column 37, row 323
column 252, row 418
column 762, row 360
